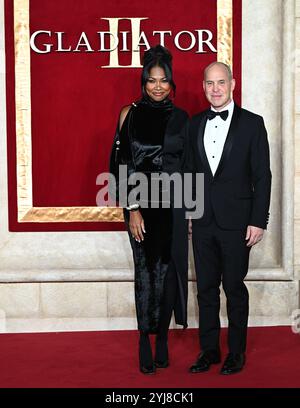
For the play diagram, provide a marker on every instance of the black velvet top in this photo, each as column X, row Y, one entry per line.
column 148, row 129
column 151, row 139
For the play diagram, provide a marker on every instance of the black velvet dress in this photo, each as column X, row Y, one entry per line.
column 151, row 141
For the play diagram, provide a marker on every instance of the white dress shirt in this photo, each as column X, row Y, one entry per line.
column 215, row 135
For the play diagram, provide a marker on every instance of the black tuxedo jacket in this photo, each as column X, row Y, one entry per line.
column 238, row 194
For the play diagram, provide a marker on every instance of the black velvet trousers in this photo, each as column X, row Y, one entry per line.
column 154, row 271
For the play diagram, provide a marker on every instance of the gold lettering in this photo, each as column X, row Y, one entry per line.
column 135, row 29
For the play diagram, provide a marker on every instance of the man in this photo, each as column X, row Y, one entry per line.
column 229, row 146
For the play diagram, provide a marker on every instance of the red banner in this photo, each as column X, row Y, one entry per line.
column 78, row 88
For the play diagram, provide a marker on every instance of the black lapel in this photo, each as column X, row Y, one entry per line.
column 229, row 140
column 200, row 143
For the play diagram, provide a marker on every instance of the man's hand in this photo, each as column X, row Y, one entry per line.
column 254, row 235
column 136, row 225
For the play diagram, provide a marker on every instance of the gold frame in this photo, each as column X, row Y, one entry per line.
column 26, row 211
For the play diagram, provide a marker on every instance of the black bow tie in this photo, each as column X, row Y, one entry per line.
column 212, row 114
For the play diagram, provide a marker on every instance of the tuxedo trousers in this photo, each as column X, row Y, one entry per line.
column 221, row 256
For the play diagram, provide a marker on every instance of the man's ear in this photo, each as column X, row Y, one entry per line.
column 232, row 85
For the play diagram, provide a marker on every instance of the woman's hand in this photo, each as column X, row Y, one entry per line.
column 190, row 228
column 136, row 225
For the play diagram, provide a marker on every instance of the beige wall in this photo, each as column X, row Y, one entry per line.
column 79, row 282
column 297, row 143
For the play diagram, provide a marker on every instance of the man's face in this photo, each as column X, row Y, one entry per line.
column 217, row 87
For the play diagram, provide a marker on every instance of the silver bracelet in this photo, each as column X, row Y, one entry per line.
column 133, row 207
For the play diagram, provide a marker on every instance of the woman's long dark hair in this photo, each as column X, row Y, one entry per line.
column 157, row 56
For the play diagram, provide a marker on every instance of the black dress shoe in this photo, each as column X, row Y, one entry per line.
column 204, row 361
column 148, row 370
column 161, row 364
column 233, row 363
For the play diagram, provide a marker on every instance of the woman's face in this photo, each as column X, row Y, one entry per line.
column 157, row 85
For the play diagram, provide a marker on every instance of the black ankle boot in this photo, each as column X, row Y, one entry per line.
column 161, row 353
column 145, row 355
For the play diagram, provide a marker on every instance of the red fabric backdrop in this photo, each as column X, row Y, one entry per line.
column 75, row 102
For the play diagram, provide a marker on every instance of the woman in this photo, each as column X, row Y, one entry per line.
column 150, row 139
